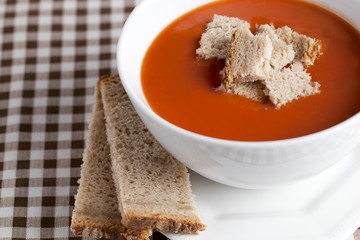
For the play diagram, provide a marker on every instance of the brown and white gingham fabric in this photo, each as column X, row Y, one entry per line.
column 51, row 55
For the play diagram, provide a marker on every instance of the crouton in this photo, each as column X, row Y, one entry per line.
column 306, row 49
column 251, row 90
column 283, row 53
column 289, row 84
column 248, row 57
column 266, row 65
column 214, row 43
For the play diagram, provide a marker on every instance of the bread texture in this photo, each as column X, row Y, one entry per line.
column 214, row 43
column 252, row 90
column 153, row 188
column 248, row 57
column 307, row 49
column 289, row 84
column 283, row 53
column 96, row 212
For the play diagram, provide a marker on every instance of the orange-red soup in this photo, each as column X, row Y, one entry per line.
column 181, row 88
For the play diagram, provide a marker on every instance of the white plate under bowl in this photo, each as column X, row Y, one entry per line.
column 324, row 207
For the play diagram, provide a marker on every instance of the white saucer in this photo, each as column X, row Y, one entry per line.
column 325, row 207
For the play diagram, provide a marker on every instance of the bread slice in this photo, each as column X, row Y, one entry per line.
column 96, row 212
column 153, row 188
column 306, row 49
column 283, row 53
column 214, row 43
column 289, row 84
column 248, row 57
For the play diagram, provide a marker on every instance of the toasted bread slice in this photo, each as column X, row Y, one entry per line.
column 289, row 84
column 248, row 57
column 153, row 188
column 215, row 41
column 96, row 212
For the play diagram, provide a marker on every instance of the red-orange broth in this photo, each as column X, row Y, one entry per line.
column 181, row 88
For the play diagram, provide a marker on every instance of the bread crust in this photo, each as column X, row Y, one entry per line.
column 86, row 227
column 163, row 224
column 94, row 230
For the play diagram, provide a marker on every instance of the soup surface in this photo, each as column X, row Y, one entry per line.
column 181, row 88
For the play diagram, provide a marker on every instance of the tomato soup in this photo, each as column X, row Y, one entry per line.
column 182, row 88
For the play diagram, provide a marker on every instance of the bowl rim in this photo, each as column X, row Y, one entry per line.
column 135, row 99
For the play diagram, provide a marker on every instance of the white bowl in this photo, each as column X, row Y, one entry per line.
column 257, row 165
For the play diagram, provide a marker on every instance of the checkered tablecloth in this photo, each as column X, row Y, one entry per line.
column 51, row 55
